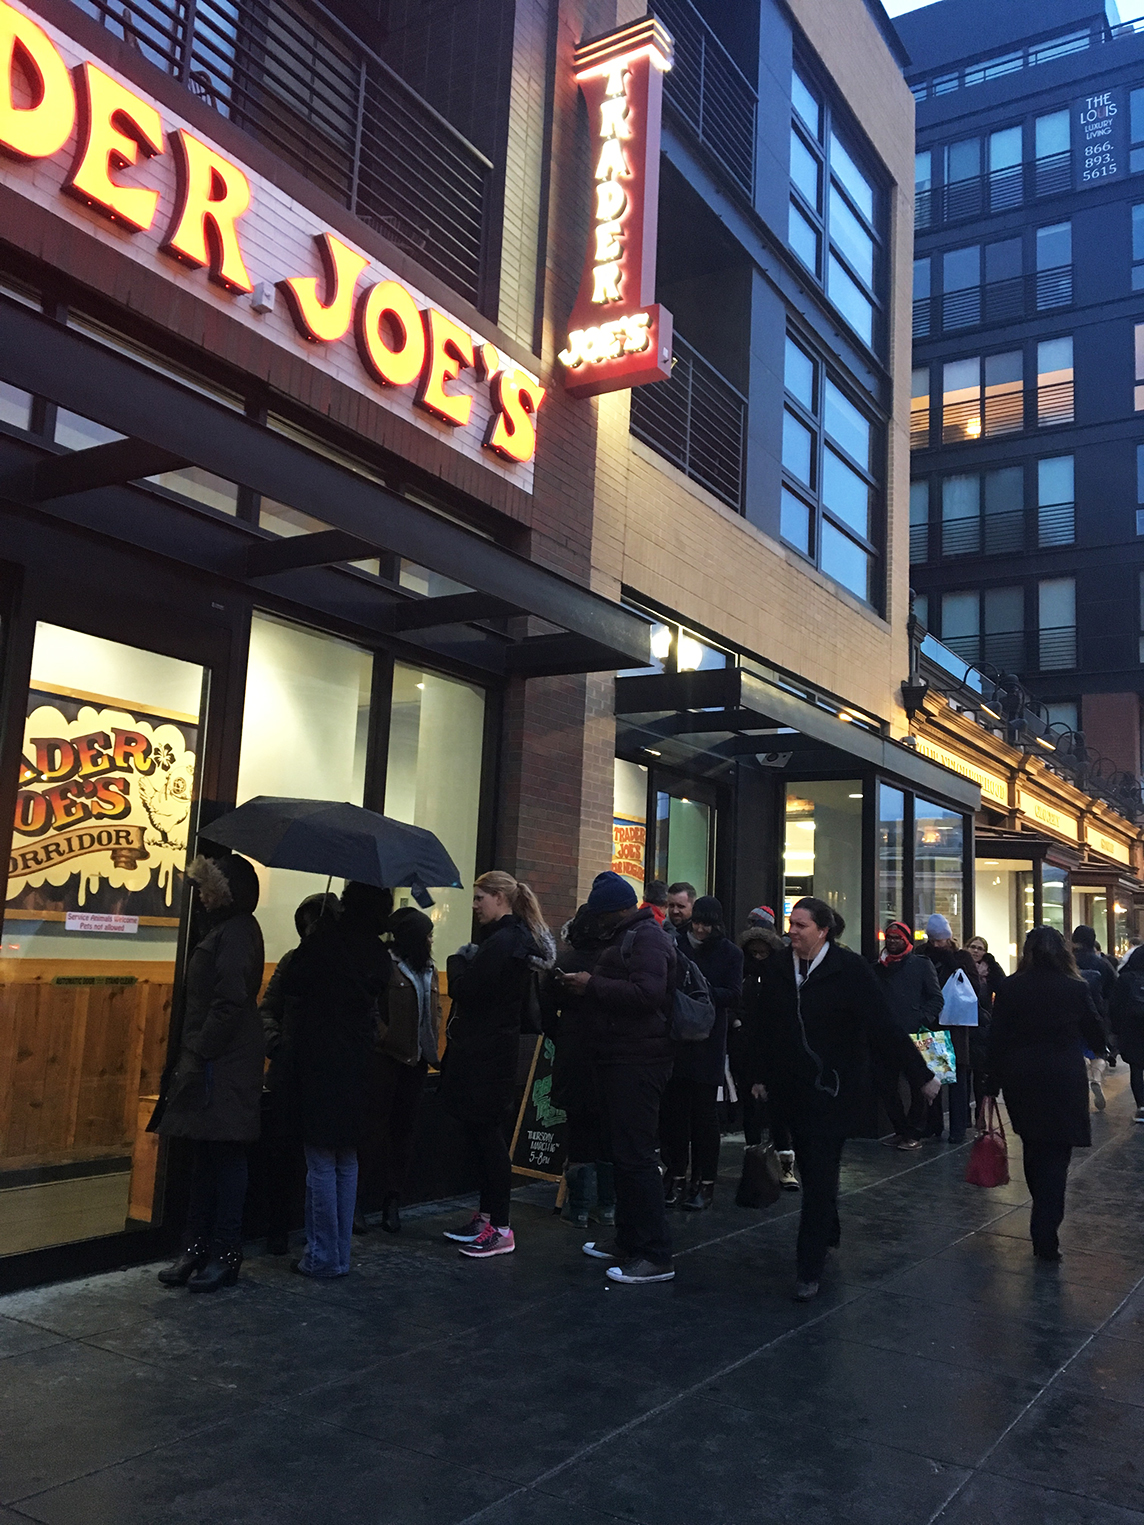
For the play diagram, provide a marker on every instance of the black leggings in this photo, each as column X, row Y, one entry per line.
column 1136, row 1079
column 1046, row 1176
column 218, row 1192
column 489, row 1149
column 689, row 1128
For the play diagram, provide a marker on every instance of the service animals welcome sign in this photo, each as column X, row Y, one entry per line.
column 103, row 810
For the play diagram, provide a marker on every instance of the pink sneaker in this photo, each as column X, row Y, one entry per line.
column 472, row 1230
column 494, row 1241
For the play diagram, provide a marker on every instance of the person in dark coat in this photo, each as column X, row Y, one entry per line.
column 1100, row 975
column 1126, row 1017
column 214, row 1095
column 281, row 1150
column 990, row 975
column 990, row 978
column 405, row 1045
column 628, row 999
column 489, row 986
column 909, row 985
column 590, row 1180
column 689, row 1116
column 758, row 942
column 946, row 957
column 332, row 991
column 825, row 1010
column 1043, row 1020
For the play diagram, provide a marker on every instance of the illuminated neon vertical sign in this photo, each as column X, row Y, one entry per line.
column 618, row 336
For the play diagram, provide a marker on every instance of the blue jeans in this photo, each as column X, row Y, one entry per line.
column 331, row 1188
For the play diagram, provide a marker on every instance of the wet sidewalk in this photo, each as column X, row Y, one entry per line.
column 942, row 1374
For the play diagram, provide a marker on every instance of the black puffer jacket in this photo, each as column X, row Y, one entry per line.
column 331, row 990
column 912, row 992
column 573, row 1086
column 1042, row 1023
column 627, row 1004
column 812, row 1051
column 1126, row 1010
column 216, row 1089
column 488, row 990
column 721, row 962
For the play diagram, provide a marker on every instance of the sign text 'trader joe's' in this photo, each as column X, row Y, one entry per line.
column 42, row 102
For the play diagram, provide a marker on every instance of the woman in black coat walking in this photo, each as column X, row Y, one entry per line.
column 489, row 985
column 809, row 1060
column 1126, row 1018
column 1043, row 1020
column 215, row 1093
column 689, row 1113
column 331, row 994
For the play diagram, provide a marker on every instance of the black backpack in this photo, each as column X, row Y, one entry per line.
column 692, row 1007
column 1093, row 979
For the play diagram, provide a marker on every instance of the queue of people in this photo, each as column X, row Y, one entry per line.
column 330, row 1068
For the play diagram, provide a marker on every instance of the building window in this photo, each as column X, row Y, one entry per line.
column 961, row 288
column 1053, row 166
column 1140, row 613
column 1136, row 130
column 986, row 627
column 923, row 189
column 1063, row 712
column 982, row 396
column 823, row 848
column 962, row 179
column 832, row 213
column 983, row 512
column 1140, row 489
column 921, row 609
column 1005, row 171
column 829, row 489
column 1138, row 395
column 1056, row 623
column 1054, row 266
column 919, row 522
column 1056, row 501
column 921, row 298
column 1055, row 382
column 920, row 409
column 1138, row 246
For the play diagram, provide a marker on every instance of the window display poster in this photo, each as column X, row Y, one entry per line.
column 1100, row 140
column 103, row 809
column 628, row 840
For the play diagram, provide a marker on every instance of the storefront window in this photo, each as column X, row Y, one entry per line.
column 1120, row 929
column 304, row 732
column 1003, row 906
column 1054, row 897
column 823, row 851
column 683, row 839
column 94, row 894
column 629, row 823
column 891, row 831
column 433, row 779
column 939, row 836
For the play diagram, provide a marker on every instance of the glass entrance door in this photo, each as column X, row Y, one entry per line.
column 91, row 919
column 684, row 833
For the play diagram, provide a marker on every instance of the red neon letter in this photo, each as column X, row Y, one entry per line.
column 37, row 103
column 516, row 401
column 212, row 196
column 328, row 320
column 114, row 126
column 389, row 306
column 450, row 350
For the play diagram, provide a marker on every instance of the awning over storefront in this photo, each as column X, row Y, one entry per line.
column 490, row 625
column 706, row 720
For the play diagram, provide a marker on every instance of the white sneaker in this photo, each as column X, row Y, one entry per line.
column 1140, row 1114
column 1097, row 1094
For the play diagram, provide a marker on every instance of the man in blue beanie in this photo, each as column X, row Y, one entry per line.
column 627, row 1008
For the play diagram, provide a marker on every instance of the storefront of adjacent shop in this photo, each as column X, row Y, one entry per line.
column 203, row 599
column 750, row 785
column 1045, row 852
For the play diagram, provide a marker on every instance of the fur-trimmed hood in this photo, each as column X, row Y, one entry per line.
column 227, row 886
column 755, row 939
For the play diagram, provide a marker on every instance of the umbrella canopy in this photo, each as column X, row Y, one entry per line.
column 338, row 839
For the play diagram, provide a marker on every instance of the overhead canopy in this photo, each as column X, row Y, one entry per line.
column 706, row 720
column 169, row 426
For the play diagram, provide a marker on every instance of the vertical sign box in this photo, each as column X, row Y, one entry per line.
column 1101, row 122
column 618, row 337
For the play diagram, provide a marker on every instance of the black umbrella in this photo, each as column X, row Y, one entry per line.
column 339, row 840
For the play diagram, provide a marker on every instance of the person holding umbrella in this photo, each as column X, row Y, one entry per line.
column 331, row 992
column 489, row 984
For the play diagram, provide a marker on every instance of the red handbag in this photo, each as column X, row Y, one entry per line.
column 989, row 1157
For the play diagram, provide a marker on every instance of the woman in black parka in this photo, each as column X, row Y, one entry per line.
column 1126, row 1018
column 689, row 1113
column 1043, row 1020
column 810, row 1060
column 214, row 1097
column 331, row 992
column 489, row 986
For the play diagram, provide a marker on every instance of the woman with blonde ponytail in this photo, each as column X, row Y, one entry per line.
column 489, row 983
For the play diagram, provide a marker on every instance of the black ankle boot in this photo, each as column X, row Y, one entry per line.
column 390, row 1215
column 221, row 1270
column 702, row 1196
column 193, row 1259
column 360, row 1226
column 674, row 1190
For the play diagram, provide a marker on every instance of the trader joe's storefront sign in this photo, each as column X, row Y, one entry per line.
column 103, row 811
